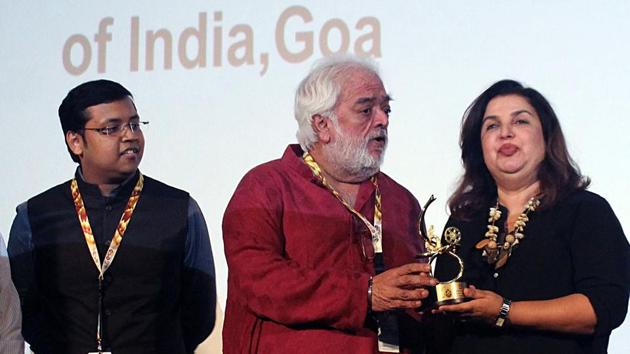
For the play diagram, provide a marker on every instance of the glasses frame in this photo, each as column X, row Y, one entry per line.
column 119, row 128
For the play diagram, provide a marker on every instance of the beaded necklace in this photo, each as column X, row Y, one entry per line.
column 499, row 254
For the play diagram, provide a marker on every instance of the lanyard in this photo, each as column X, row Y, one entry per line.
column 376, row 230
column 388, row 334
column 79, row 206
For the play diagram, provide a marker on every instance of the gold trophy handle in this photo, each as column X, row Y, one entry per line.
column 461, row 268
column 451, row 291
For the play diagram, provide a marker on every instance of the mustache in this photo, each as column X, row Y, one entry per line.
column 381, row 133
column 135, row 147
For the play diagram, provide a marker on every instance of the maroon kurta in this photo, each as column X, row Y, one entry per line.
column 299, row 262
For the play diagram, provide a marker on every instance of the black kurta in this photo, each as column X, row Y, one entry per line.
column 151, row 296
column 578, row 246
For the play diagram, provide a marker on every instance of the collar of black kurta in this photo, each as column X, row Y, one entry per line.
column 122, row 192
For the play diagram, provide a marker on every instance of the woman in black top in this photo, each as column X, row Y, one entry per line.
column 547, row 263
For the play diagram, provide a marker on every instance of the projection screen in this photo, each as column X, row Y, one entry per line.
column 216, row 80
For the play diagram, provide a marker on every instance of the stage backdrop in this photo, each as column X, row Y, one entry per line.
column 216, row 80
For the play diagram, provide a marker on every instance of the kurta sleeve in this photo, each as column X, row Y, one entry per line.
column 199, row 284
column 22, row 259
column 10, row 314
column 601, row 257
column 272, row 285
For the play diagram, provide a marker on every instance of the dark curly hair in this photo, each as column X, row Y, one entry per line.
column 558, row 174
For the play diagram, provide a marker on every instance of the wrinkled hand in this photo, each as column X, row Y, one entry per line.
column 401, row 287
column 485, row 305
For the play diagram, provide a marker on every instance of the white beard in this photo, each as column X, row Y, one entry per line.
column 350, row 155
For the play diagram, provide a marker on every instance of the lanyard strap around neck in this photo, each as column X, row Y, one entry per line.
column 120, row 229
column 79, row 206
column 388, row 335
column 376, row 229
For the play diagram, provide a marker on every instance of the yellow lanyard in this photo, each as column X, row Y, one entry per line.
column 377, row 241
column 120, row 230
column 79, row 206
column 376, row 230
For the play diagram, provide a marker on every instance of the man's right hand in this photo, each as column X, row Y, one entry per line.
column 401, row 288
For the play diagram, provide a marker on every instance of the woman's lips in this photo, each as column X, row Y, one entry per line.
column 508, row 149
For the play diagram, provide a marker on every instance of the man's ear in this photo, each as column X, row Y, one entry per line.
column 321, row 126
column 75, row 142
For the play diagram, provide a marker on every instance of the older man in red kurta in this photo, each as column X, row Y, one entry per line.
column 320, row 244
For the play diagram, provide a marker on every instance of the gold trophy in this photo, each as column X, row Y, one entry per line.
column 451, row 291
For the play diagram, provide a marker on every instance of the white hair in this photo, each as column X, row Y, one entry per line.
column 319, row 91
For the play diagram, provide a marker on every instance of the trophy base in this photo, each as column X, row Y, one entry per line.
column 450, row 293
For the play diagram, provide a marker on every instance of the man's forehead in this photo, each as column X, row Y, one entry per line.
column 363, row 86
column 119, row 109
column 373, row 99
column 123, row 101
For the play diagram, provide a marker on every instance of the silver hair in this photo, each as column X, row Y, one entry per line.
column 319, row 91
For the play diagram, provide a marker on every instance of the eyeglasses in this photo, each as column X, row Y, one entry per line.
column 118, row 129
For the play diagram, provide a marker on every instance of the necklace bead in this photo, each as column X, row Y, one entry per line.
column 499, row 257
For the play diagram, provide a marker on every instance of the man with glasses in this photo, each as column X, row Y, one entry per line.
column 320, row 244
column 112, row 260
